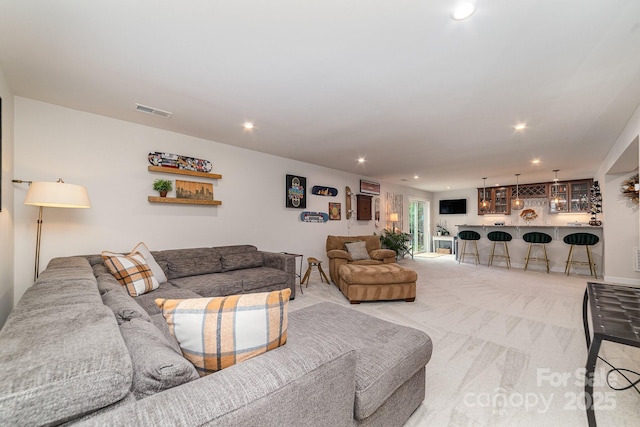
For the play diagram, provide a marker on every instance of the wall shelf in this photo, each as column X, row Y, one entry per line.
column 185, row 172
column 155, row 199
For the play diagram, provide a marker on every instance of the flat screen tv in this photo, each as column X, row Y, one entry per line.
column 452, row 207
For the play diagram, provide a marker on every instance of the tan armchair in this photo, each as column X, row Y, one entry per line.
column 338, row 255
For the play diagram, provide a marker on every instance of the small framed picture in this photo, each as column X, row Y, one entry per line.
column 368, row 187
column 194, row 190
column 335, row 211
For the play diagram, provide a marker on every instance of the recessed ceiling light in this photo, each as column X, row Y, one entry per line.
column 535, row 161
column 248, row 125
column 416, row 177
column 463, row 11
column 520, row 126
column 361, row 160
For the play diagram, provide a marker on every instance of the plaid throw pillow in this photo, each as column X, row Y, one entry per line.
column 215, row 333
column 157, row 271
column 131, row 271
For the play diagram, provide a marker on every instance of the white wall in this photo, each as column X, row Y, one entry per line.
column 109, row 157
column 6, row 216
column 621, row 215
column 621, row 220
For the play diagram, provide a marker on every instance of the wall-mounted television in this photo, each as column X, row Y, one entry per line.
column 453, row 207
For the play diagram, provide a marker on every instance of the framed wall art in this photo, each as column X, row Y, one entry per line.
column 295, row 192
column 368, row 187
column 194, row 190
column 335, row 211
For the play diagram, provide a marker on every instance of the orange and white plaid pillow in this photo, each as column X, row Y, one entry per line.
column 131, row 271
column 215, row 333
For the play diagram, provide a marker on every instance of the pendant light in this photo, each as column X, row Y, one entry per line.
column 483, row 203
column 517, row 204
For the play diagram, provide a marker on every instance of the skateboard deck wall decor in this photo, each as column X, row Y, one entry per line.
column 347, row 202
column 295, row 189
column 314, row 216
column 176, row 161
column 320, row 190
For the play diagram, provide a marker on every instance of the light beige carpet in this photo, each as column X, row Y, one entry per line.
column 509, row 346
column 428, row 255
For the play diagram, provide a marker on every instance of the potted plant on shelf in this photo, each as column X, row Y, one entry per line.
column 441, row 230
column 163, row 186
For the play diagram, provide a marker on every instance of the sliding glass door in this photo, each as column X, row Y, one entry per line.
column 419, row 224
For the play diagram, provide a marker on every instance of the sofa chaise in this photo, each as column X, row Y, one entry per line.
column 338, row 255
column 78, row 349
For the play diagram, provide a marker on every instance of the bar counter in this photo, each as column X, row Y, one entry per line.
column 557, row 250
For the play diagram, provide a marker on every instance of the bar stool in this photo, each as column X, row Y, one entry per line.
column 581, row 239
column 313, row 262
column 469, row 235
column 499, row 236
column 537, row 238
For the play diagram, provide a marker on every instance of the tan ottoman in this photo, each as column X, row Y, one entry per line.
column 377, row 282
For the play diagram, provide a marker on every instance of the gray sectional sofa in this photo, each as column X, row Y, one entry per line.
column 78, row 349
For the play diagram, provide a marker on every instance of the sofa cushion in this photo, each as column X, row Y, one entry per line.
column 161, row 324
column 78, row 291
column 131, row 271
column 106, row 281
column 156, row 365
column 189, row 262
column 165, row 290
column 211, row 285
column 215, row 333
column 255, row 279
column 234, row 249
column 366, row 262
column 59, row 362
column 123, row 306
column 357, row 250
column 66, row 262
column 338, row 242
column 242, row 260
column 387, row 354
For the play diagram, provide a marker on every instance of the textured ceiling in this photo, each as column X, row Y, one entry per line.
column 398, row 83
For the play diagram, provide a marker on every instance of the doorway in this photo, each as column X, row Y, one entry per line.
column 419, row 224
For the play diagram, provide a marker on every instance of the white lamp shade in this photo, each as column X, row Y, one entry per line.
column 393, row 217
column 57, row 195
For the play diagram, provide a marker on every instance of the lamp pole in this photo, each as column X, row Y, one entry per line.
column 36, row 272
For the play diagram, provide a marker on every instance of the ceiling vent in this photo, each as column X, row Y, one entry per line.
column 154, row 111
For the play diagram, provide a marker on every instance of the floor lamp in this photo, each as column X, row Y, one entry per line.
column 53, row 195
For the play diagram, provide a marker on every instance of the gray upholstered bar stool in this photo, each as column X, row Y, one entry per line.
column 499, row 236
column 581, row 239
column 471, row 236
column 537, row 238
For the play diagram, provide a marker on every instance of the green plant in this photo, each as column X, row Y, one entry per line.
column 397, row 242
column 162, row 185
column 441, row 229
